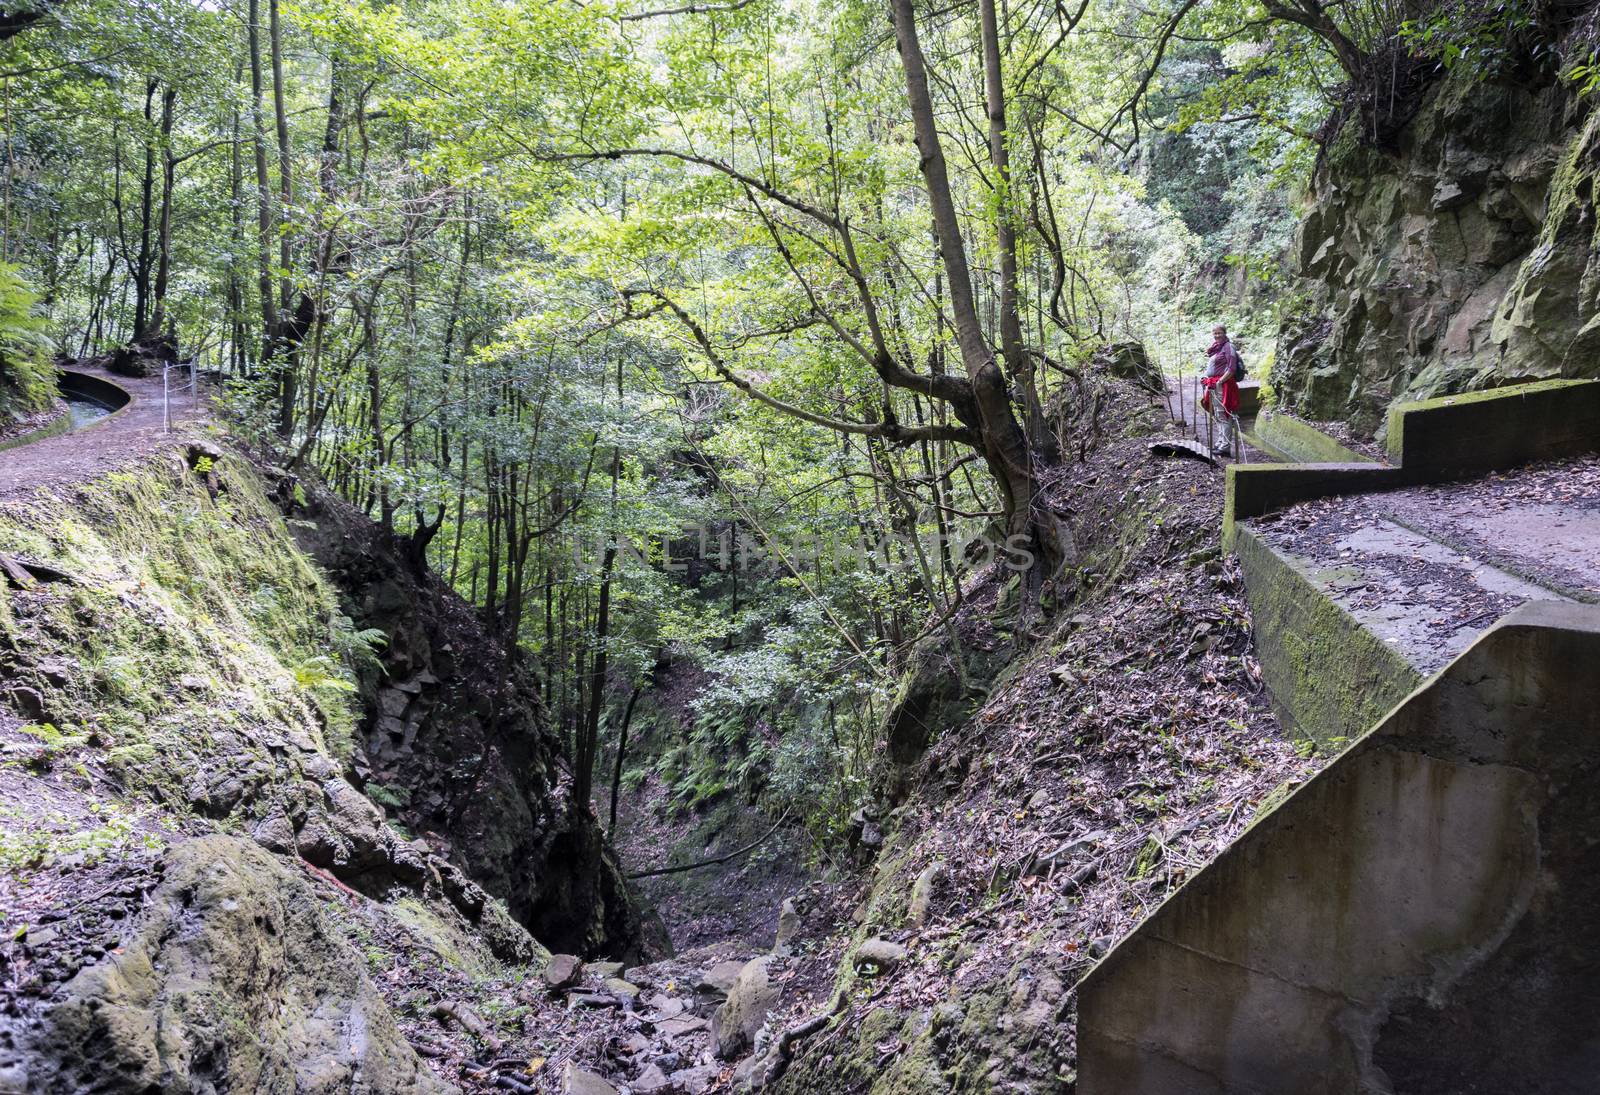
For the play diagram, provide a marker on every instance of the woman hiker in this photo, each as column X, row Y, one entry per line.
column 1221, row 382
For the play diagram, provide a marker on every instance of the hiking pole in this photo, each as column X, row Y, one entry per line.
column 166, row 400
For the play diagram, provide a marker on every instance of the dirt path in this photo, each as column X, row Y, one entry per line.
column 107, row 444
column 1183, row 405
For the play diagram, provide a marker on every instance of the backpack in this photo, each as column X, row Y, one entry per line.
column 1238, row 366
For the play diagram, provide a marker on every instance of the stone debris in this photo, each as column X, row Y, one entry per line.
column 624, row 990
column 880, row 955
column 715, row 982
column 678, row 1027
column 750, row 1001
column 562, row 971
column 789, row 925
column 651, row 1080
column 578, row 1082
column 922, row 891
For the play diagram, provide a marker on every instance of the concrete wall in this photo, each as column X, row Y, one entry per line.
column 113, row 396
column 1435, row 441
column 1479, row 432
column 1255, row 489
column 1422, row 918
column 1298, row 442
column 1329, row 676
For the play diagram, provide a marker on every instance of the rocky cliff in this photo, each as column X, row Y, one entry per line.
column 258, row 816
column 1461, row 258
column 455, row 740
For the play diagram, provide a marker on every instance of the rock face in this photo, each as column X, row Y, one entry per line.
column 928, row 701
column 1129, row 361
column 231, row 980
column 459, row 739
column 217, row 934
column 1462, row 260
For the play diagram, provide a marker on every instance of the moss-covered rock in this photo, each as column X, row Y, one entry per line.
column 232, row 980
column 1461, row 260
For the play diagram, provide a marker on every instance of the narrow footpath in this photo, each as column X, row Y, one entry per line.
column 107, row 443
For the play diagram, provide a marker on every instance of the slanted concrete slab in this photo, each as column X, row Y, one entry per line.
column 1419, row 917
column 1421, row 599
column 1300, row 442
column 1541, row 522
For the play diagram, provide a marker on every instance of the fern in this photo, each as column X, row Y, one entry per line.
column 358, row 649
column 27, row 379
column 320, row 673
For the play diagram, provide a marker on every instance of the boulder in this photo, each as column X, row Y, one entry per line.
column 750, row 1001
column 651, row 1081
column 576, row 1081
column 922, row 891
column 1128, row 361
column 788, row 927
column 623, row 990
column 880, row 955
column 718, row 980
column 562, row 971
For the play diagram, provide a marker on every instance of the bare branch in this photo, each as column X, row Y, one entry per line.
column 889, row 431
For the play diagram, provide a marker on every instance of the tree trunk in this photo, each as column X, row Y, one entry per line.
column 1030, row 528
column 236, row 221
column 147, row 182
column 265, row 218
column 158, row 306
column 1019, row 366
column 622, row 753
column 288, row 357
column 584, row 755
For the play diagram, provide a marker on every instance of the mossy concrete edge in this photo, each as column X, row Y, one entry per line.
column 1329, row 678
column 1434, row 441
column 1302, row 442
column 1479, row 432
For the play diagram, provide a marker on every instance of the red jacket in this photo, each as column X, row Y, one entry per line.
column 1226, row 382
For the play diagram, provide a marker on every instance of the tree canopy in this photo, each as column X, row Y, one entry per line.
column 595, row 303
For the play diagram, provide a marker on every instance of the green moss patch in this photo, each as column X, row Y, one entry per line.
column 191, row 634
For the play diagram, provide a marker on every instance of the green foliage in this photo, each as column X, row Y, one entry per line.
column 385, row 795
column 320, row 673
column 29, row 842
column 27, row 379
column 54, row 741
column 1487, row 40
column 455, row 205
